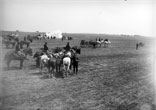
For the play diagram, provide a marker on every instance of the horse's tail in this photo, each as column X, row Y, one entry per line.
column 7, row 57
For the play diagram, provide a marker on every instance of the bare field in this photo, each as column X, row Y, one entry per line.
column 107, row 78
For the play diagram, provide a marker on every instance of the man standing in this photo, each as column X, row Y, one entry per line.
column 75, row 63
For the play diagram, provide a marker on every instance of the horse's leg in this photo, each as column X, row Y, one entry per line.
column 12, row 45
column 64, row 73
column 70, row 66
column 21, row 63
column 8, row 63
column 40, row 69
column 53, row 71
column 7, row 45
column 76, row 67
column 68, row 69
column 59, row 67
column 50, row 72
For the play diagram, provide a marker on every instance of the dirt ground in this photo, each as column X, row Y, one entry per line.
column 115, row 78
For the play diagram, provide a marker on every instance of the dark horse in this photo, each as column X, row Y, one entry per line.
column 7, row 43
column 12, row 55
column 37, row 57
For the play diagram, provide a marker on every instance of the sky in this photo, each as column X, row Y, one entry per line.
column 132, row 17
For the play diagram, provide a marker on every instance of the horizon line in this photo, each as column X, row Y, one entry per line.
column 76, row 33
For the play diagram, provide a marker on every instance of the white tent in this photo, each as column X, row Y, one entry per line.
column 57, row 34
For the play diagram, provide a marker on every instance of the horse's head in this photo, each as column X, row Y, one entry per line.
column 36, row 55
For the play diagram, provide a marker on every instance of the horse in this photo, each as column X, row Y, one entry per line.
column 59, row 60
column 93, row 44
column 66, row 65
column 139, row 44
column 58, row 49
column 77, row 49
column 12, row 55
column 70, row 59
column 37, row 56
column 100, row 43
column 106, row 42
column 82, row 43
column 7, row 43
column 49, row 62
column 52, row 66
column 43, row 62
column 30, row 39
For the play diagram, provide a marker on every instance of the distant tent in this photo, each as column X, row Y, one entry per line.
column 54, row 34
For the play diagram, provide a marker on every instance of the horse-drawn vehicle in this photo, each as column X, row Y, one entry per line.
column 94, row 44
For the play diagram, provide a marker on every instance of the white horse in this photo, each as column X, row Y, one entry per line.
column 67, row 63
column 43, row 62
column 106, row 43
column 100, row 42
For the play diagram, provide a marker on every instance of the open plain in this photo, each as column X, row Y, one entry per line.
column 115, row 78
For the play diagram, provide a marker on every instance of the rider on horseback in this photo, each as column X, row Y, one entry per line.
column 45, row 49
column 17, row 49
column 67, row 49
column 25, row 39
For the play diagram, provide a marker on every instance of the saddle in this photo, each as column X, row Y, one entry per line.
column 18, row 54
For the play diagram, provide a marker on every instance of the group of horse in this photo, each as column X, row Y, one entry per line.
column 59, row 59
column 95, row 44
column 12, row 56
column 10, row 41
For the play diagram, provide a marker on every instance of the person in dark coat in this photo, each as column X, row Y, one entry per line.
column 99, row 39
column 17, row 49
column 45, row 48
column 68, row 47
column 75, row 63
column 25, row 39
